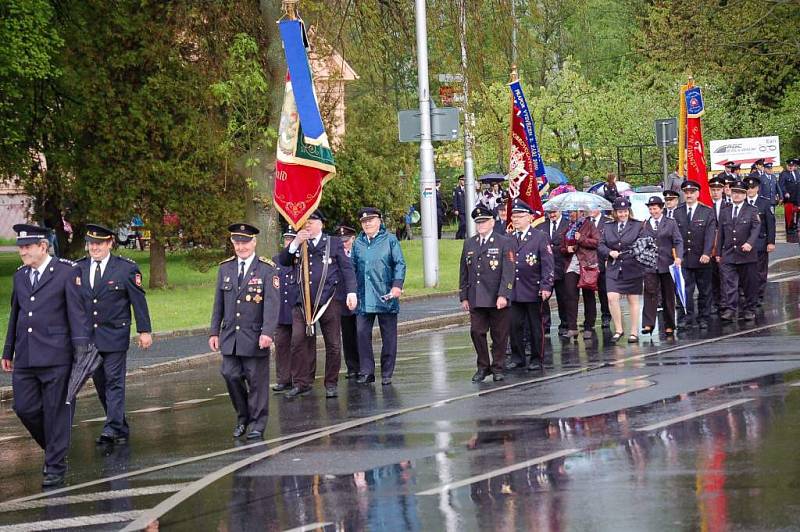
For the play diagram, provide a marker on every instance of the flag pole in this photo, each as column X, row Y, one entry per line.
column 290, row 11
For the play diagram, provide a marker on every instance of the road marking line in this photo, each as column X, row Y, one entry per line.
column 792, row 384
column 193, row 401
column 312, row 526
column 73, row 522
column 6, row 438
column 699, row 413
column 94, row 420
column 583, row 400
column 497, row 472
column 150, row 409
column 91, row 497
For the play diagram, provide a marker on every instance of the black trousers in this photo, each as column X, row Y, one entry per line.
column 350, row 342
column 40, row 396
column 699, row 278
column 388, row 326
column 497, row 322
column 716, row 286
column 656, row 284
column 304, row 348
column 247, row 379
column 530, row 313
column 283, row 354
column 561, row 295
column 109, row 381
column 461, row 233
column 734, row 277
column 571, row 295
column 763, row 267
column 602, row 295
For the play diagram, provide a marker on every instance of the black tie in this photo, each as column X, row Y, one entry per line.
column 35, row 279
column 621, row 227
column 690, row 214
column 552, row 231
column 656, row 225
column 97, row 275
column 241, row 273
column 735, row 211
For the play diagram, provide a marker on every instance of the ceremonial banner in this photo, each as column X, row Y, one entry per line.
column 526, row 173
column 305, row 160
column 695, row 149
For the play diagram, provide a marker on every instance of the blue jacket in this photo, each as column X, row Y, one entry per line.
column 379, row 267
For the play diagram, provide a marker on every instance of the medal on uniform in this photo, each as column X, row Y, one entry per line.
column 247, row 298
column 530, row 258
column 257, row 299
column 227, row 280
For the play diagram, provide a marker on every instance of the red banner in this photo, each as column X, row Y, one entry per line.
column 522, row 170
column 696, row 159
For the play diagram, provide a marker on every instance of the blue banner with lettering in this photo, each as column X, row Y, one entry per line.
column 694, row 103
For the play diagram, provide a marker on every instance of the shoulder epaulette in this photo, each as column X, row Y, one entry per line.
column 610, row 221
column 126, row 259
column 67, row 261
column 20, row 267
column 85, row 257
column 265, row 260
column 228, row 259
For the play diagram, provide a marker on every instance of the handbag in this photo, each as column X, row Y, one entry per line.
column 589, row 276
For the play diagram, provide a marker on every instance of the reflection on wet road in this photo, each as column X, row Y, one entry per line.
column 698, row 433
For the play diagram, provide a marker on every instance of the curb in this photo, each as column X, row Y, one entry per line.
column 404, row 328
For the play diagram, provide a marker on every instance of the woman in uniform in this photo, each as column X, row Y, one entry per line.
column 624, row 274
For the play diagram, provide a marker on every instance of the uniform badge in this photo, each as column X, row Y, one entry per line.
column 276, row 282
column 227, row 280
column 138, row 279
column 530, row 258
column 493, row 264
column 247, row 298
column 78, row 280
column 258, row 299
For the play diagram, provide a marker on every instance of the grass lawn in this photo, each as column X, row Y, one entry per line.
column 187, row 302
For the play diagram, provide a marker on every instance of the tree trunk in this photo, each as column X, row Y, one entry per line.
column 158, row 262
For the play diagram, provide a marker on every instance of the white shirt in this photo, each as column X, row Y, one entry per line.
column 93, row 267
column 653, row 222
column 596, row 221
column 41, row 269
column 247, row 262
column 314, row 241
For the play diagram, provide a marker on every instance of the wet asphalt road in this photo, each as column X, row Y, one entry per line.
column 697, row 433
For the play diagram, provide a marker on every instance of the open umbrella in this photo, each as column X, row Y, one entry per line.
column 680, row 285
column 573, row 201
column 83, row 366
column 555, row 175
column 492, row 178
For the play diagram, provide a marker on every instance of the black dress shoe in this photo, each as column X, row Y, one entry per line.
column 365, row 379
column 513, row 365
column 52, row 479
column 279, row 388
column 497, row 376
column 748, row 315
column 480, row 375
column 294, row 392
column 330, row 392
column 351, row 375
column 386, row 381
column 105, row 438
column 255, row 435
column 535, row 366
column 238, row 431
column 727, row 315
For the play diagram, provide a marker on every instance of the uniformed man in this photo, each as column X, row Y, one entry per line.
column 46, row 327
column 671, row 199
column 441, row 210
column 243, row 323
column 533, row 283
column 112, row 284
column 459, row 206
column 739, row 226
column 769, row 188
column 789, row 183
column 716, row 186
column 555, row 227
column 766, row 235
column 726, row 192
column 348, row 318
column 328, row 267
column 486, row 278
column 698, row 227
column 728, row 172
column 757, row 169
column 283, row 333
column 658, row 281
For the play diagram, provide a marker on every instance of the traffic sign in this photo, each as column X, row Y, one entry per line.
column 444, row 124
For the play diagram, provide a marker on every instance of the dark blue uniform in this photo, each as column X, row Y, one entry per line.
column 283, row 333
column 486, row 273
column 326, row 257
column 46, row 326
column 109, row 305
column 738, row 268
column 555, row 236
column 766, row 236
column 242, row 313
column 699, row 235
column 460, row 205
column 534, row 265
column 659, row 280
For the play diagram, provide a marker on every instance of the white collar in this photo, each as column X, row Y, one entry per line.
column 43, row 266
column 247, row 262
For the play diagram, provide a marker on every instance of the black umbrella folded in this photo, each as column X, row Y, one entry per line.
column 492, row 178
column 84, row 364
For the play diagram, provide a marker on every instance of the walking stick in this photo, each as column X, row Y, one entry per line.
column 307, row 291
